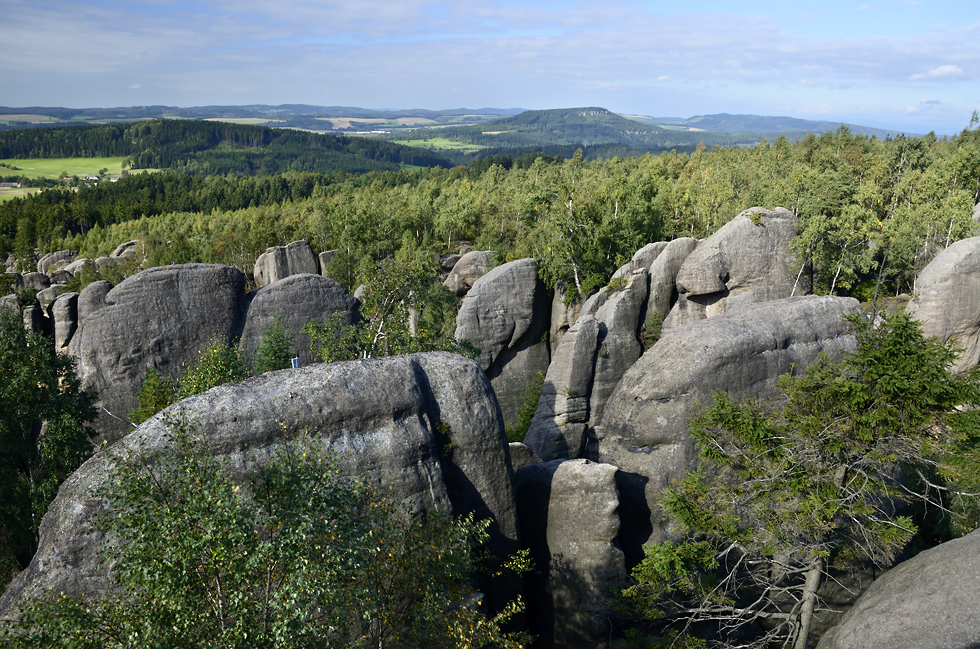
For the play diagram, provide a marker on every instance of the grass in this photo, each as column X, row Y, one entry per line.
column 440, row 143
column 53, row 167
column 9, row 194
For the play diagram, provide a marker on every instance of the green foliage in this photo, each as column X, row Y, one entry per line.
column 156, row 393
column 651, row 330
column 404, row 310
column 275, row 350
column 791, row 492
column 218, row 362
column 526, row 414
column 44, row 434
column 293, row 556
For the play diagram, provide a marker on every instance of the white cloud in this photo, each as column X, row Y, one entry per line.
column 135, row 86
column 940, row 72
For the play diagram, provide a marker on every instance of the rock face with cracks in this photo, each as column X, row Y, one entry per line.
column 158, row 318
column 391, row 419
column 644, row 429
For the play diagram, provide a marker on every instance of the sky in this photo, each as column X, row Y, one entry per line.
column 900, row 64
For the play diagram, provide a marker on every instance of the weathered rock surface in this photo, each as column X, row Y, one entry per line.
column 159, row 318
column 127, row 250
column 563, row 316
column 644, row 429
column 279, row 262
column 506, row 315
column 927, row 602
column 55, row 260
column 64, row 318
column 76, row 266
column 560, row 422
column 36, row 281
column 570, row 521
column 467, row 269
column 521, row 455
column 380, row 416
column 662, row 293
column 947, row 302
column 747, row 260
column 295, row 300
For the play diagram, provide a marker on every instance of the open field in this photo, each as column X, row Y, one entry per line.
column 244, row 120
column 54, row 167
column 357, row 122
column 440, row 143
column 32, row 119
column 7, row 194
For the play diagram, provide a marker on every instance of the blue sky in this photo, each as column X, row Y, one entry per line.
column 906, row 64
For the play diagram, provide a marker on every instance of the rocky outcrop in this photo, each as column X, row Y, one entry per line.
column 747, row 260
column 560, row 422
column 467, row 269
column 279, row 262
column 506, row 315
column 64, row 319
column 644, row 429
column 295, row 301
column 55, row 260
column 927, row 602
column 947, row 302
column 563, row 316
column 570, row 522
column 158, row 318
column 387, row 419
column 324, row 259
column 36, row 281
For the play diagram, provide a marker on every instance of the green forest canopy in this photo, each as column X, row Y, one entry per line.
column 867, row 207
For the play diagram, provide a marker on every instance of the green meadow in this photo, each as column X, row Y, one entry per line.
column 54, row 167
column 440, row 143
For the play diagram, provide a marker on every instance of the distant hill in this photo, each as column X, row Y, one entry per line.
column 761, row 125
column 298, row 116
column 215, row 147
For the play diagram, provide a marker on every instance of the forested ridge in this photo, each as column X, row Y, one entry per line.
column 200, row 147
column 869, row 209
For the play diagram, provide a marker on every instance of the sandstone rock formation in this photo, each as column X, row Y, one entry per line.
column 644, row 429
column 927, row 602
column 64, row 319
column 506, row 316
column 159, row 318
column 295, row 300
column 570, row 521
column 947, row 302
column 55, row 260
column 279, row 262
column 467, row 269
column 386, row 418
column 747, row 260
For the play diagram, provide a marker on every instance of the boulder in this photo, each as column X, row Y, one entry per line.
column 279, row 262
column 927, row 602
column 55, row 260
column 295, row 300
column 46, row 296
column 36, row 281
column 64, row 318
column 59, row 276
column 506, row 315
column 127, row 250
column 947, row 300
column 16, row 280
column 644, row 428
column 76, row 266
column 570, row 521
column 387, row 419
column 324, row 259
column 467, row 269
column 521, row 455
column 747, row 260
column 104, row 263
column 642, row 258
column 161, row 317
